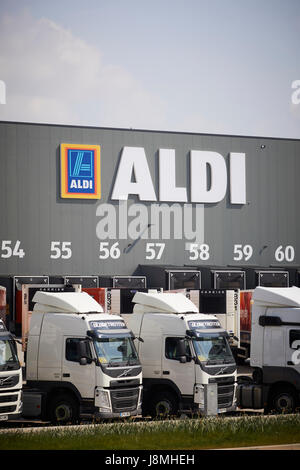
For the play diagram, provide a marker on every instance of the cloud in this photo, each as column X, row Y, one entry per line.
column 54, row 76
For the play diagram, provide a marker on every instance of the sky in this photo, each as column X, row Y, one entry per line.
column 205, row 66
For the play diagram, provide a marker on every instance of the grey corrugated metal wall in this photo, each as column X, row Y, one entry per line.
column 33, row 212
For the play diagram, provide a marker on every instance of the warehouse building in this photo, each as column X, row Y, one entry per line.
column 124, row 207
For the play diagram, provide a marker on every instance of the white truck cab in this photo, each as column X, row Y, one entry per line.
column 275, row 351
column 10, row 377
column 79, row 360
column 182, row 351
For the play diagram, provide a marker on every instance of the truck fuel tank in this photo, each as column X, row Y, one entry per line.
column 249, row 396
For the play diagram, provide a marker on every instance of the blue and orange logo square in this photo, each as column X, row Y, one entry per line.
column 80, row 171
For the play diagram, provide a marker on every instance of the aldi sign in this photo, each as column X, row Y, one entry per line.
column 80, row 171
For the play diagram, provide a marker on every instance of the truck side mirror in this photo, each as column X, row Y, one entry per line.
column 138, row 338
column 181, row 350
column 83, row 353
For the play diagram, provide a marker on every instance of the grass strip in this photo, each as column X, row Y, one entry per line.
column 188, row 434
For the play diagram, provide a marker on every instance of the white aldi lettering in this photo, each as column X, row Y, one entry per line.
column 204, row 188
column 81, row 184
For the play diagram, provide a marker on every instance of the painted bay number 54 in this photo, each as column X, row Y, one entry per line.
column 9, row 249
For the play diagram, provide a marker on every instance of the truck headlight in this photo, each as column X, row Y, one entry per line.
column 102, row 399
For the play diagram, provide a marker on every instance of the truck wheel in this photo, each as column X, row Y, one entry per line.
column 163, row 404
column 63, row 409
column 283, row 400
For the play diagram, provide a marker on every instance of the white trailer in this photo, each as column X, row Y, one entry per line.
column 79, row 361
column 274, row 351
column 185, row 355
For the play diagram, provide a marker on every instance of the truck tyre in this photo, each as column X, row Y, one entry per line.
column 283, row 400
column 63, row 409
column 163, row 404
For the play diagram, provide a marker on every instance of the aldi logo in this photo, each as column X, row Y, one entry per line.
column 80, row 171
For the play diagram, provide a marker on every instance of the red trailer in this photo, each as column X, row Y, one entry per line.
column 245, row 323
column 3, row 304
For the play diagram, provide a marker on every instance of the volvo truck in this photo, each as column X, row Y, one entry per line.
column 274, row 351
column 80, row 362
column 10, row 377
column 183, row 355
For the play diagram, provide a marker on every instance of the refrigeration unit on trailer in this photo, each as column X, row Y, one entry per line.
column 187, row 363
column 275, row 351
column 80, row 361
column 10, row 377
column 26, row 304
column 13, row 285
column 225, row 304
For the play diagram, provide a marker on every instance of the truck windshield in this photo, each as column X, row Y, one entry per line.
column 8, row 357
column 115, row 351
column 213, row 348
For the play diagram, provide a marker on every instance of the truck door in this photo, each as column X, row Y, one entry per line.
column 182, row 374
column 81, row 376
column 273, row 352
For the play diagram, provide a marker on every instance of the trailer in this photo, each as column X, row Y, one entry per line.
column 274, row 352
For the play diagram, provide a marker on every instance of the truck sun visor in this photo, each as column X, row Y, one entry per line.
column 74, row 302
column 163, row 302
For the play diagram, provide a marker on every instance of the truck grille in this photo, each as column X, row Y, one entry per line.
column 225, row 391
column 9, row 381
column 8, row 398
column 8, row 409
column 124, row 400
